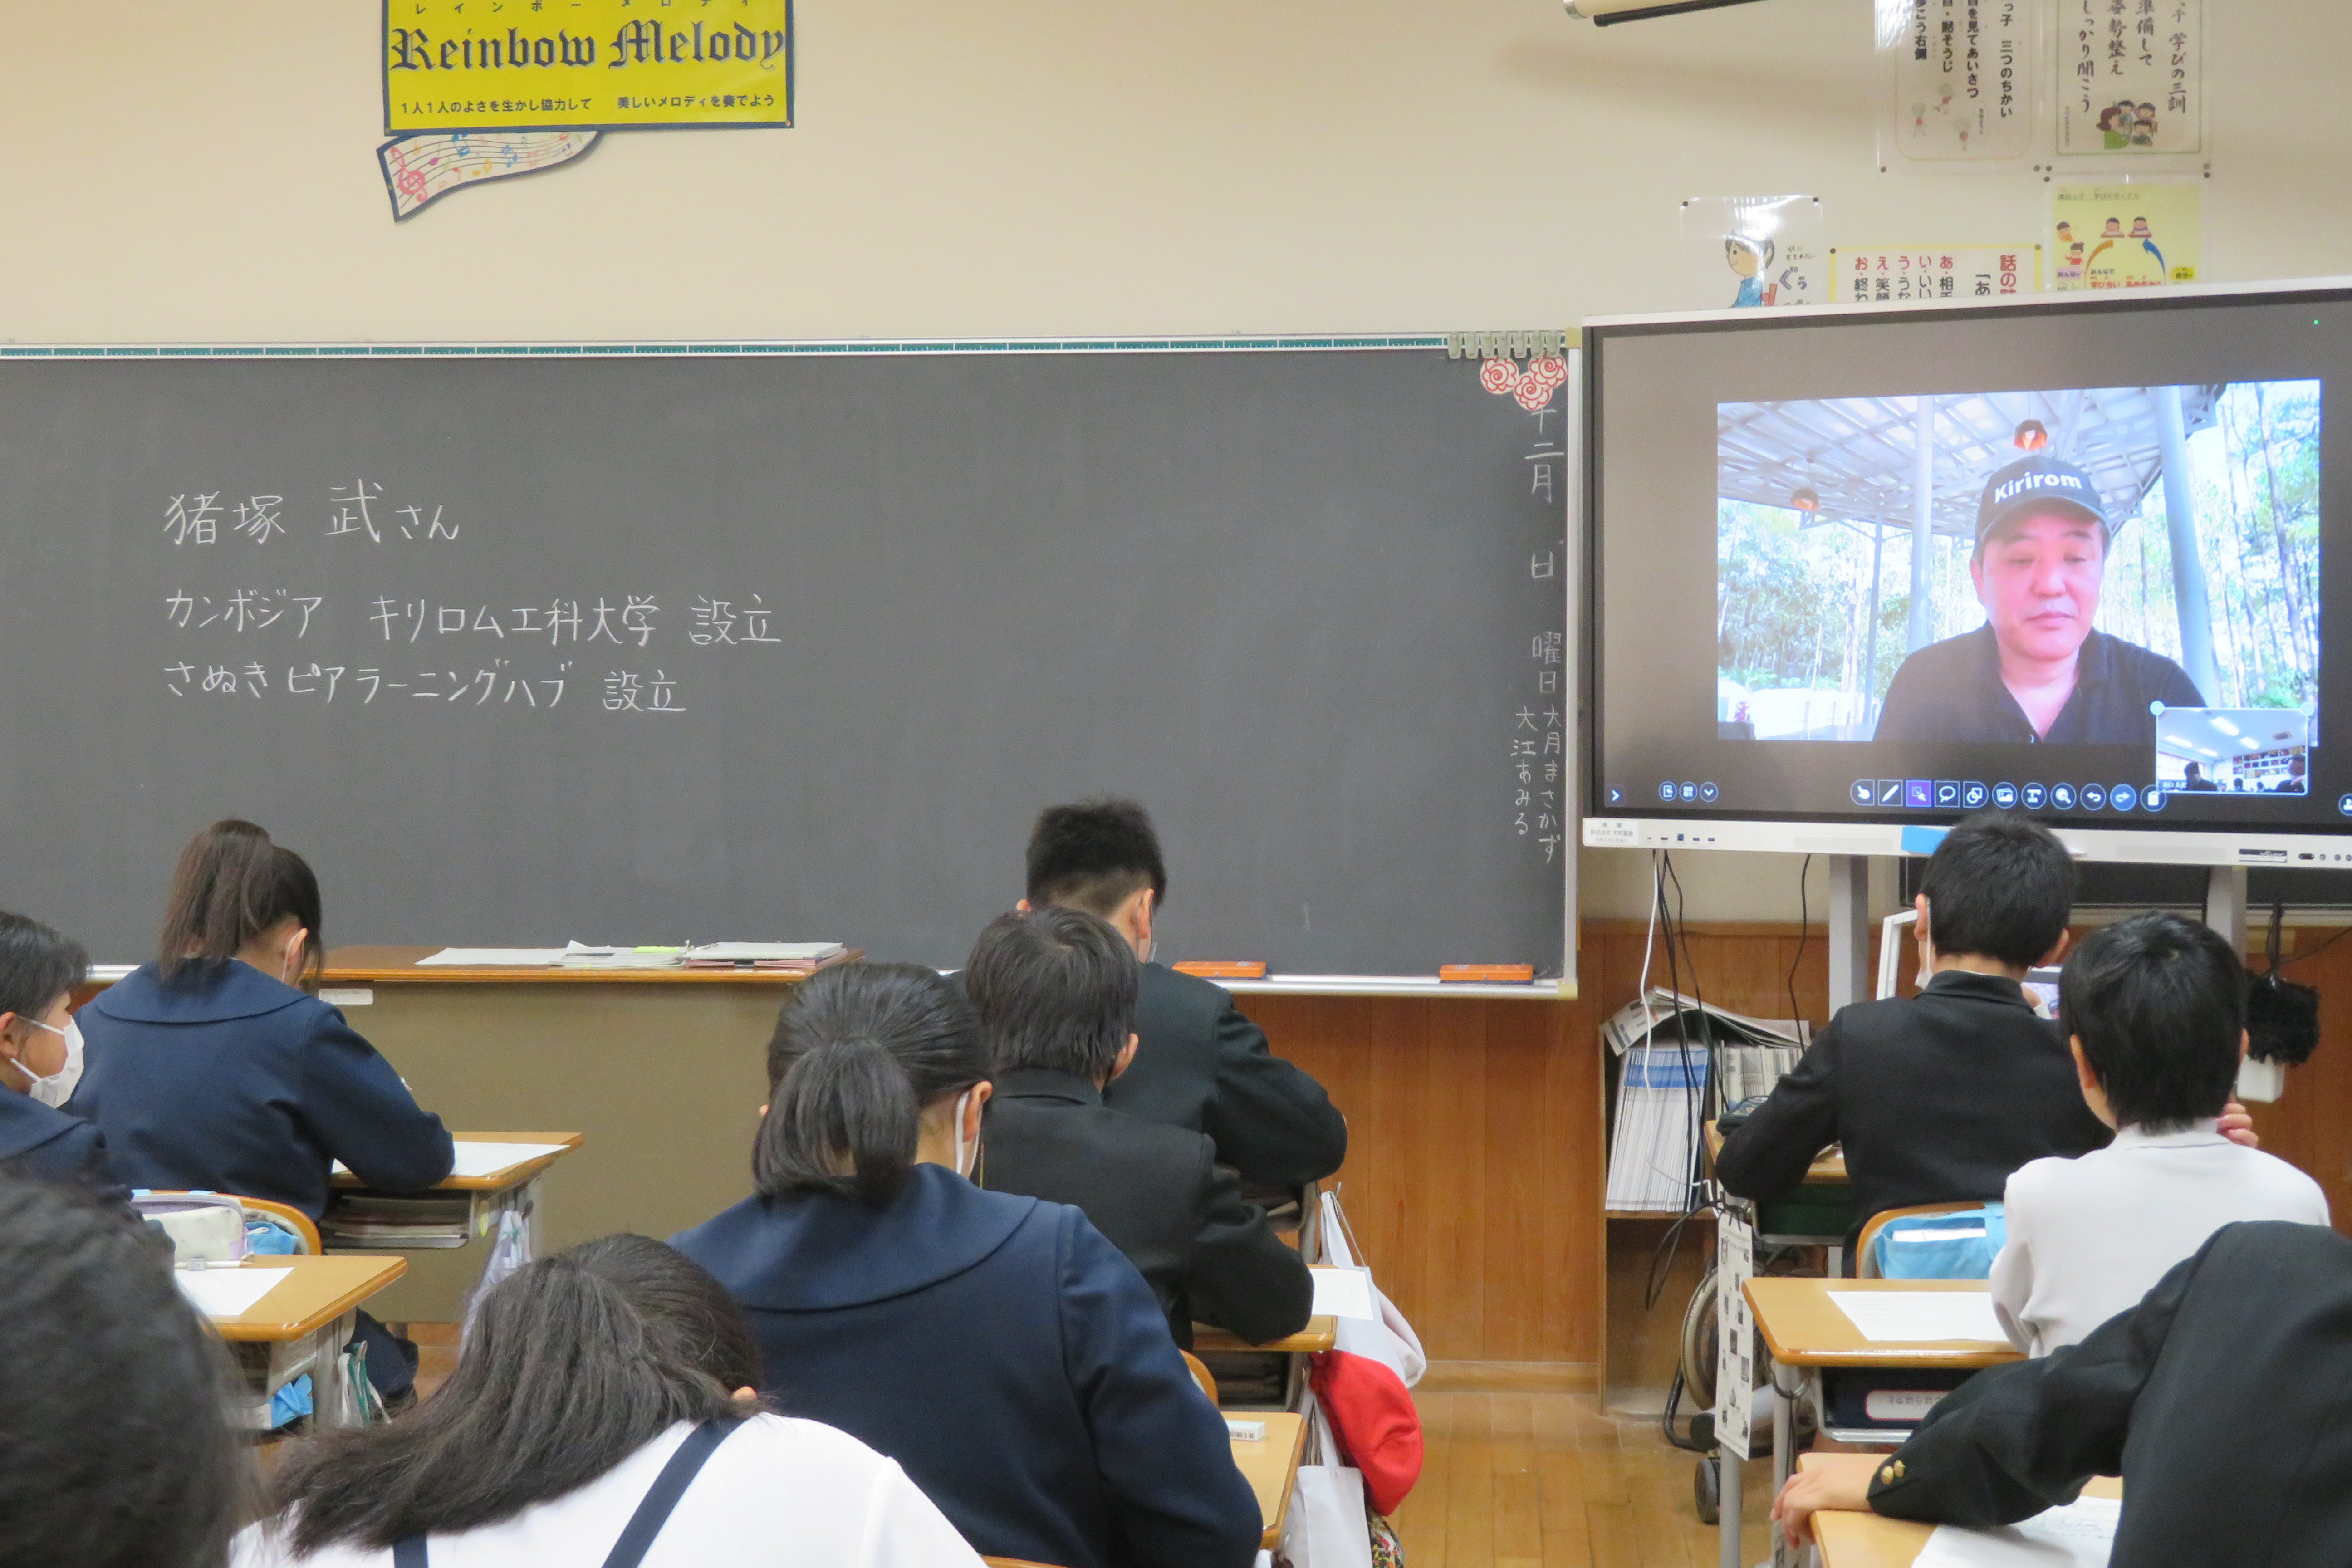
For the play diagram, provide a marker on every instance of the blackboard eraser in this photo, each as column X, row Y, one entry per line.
column 1222, row 969
column 1502, row 973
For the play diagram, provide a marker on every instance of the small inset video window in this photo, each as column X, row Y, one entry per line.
column 2233, row 751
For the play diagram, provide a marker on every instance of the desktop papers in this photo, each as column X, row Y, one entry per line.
column 1344, row 1293
column 485, row 1159
column 494, row 957
column 1913, row 1317
column 2079, row 1535
column 226, row 1292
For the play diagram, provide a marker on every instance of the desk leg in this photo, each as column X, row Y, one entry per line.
column 1784, row 1456
column 333, row 1400
column 1727, row 1504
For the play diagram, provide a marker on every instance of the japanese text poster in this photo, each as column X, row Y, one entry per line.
column 2131, row 78
column 584, row 65
column 2127, row 237
column 1934, row 272
column 1963, row 81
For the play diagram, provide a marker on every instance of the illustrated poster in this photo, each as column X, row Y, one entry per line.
column 2131, row 78
column 1962, row 82
column 2125, row 237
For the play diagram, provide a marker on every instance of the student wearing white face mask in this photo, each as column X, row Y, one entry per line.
column 213, row 1069
column 41, row 1058
column 1006, row 1356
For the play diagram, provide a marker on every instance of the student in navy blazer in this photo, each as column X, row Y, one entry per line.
column 41, row 1060
column 1006, row 1354
column 209, row 1068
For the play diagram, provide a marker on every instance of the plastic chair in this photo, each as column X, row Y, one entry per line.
column 294, row 1219
column 1201, row 1375
column 1866, row 1253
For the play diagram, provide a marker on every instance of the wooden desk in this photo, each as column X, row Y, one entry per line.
column 510, row 1190
column 1853, row 1539
column 498, row 1181
column 301, row 1326
column 374, row 966
column 1806, row 1331
column 1803, row 1328
column 1319, row 1334
column 1271, row 1467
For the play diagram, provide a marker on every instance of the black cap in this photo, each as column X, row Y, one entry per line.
column 2031, row 485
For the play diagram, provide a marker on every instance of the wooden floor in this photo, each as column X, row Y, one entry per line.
column 1515, row 1480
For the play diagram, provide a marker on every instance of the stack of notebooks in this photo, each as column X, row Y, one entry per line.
column 769, row 957
column 1674, row 1052
column 365, row 1220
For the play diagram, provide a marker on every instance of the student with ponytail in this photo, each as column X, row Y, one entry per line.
column 997, row 1347
column 212, row 1068
column 600, row 1412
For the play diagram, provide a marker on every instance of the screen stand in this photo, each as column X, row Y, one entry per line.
column 1849, row 930
column 2225, row 906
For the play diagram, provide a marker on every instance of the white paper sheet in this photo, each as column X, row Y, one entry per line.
column 773, row 951
column 495, row 957
column 226, row 1292
column 2079, row 1535
column 1344, row 1293
column 485, row 1158
column 1911, row 1317
column 482, row 1159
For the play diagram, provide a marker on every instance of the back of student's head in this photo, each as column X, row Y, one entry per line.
column 114, row 1449
column 37, row 965
column 1999, row 887
column 1094, row 855
column 2160, row 1004
column 859, row 1051
column 572, row 1365
column 231, row 885
column 1055, row 988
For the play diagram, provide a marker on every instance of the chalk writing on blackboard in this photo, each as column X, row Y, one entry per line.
column 245, row 609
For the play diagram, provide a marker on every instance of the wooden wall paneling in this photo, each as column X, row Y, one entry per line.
column 1473, row 1177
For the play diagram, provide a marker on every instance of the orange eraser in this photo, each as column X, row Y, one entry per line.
column 1222, row 969
column 1507, row 973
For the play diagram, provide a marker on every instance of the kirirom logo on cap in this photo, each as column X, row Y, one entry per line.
column 2025, row 482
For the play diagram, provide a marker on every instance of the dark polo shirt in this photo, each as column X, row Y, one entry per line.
column 1951, row 690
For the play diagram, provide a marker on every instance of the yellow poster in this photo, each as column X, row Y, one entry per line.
column 2127, row 237
column 586, row 64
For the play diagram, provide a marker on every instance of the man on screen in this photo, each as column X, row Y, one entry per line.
column 2036, row 671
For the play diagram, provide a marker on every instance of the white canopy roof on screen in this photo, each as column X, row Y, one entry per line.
column 1858, row 453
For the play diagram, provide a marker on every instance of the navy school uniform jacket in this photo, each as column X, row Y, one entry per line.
column 47, row 1143
column 1015, row 1366
column 235, row 1082
column 1203, row 1065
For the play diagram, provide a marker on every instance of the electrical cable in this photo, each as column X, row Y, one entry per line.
column 1804, row 930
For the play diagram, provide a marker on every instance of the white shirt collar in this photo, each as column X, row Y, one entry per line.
column 2207, row 1131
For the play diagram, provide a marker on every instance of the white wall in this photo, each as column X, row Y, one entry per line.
column 1070, row 167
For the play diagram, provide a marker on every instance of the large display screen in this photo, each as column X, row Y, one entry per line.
column 2075, row 559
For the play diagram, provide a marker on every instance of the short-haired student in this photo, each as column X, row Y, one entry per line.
column 2154, row 1011
column 41, row 1058
column 600, row 1412
column 1202, row 1064
column 1004, row 1353
column 113, row 1401
column 213, row 1069
column 1938, row 1097
column 1056, row 989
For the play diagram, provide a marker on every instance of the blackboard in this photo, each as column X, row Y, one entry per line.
column 662, row 643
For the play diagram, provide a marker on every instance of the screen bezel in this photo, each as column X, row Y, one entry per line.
column 1632, row 824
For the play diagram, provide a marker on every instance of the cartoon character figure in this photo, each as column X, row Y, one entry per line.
column 2116, row 135
column 2147, row 237
column 1748, row 258
column 2144, row 126
column 2070, row 266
